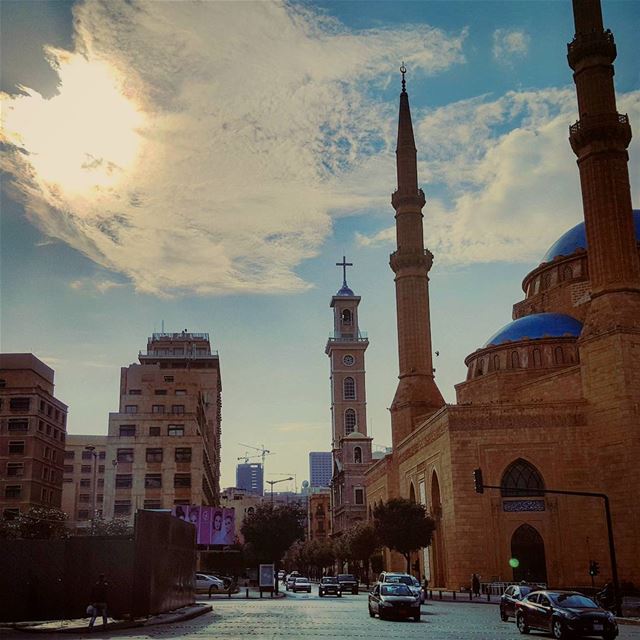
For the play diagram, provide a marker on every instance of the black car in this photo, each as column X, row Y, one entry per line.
column 329, row 586
column 565, row 614
column 512, row 594
column 394, row 601
column 348, row 582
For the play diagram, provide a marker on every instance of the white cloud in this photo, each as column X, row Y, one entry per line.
column 204, row 147
column 508, row 43
column 101, row 285
column 507, row 179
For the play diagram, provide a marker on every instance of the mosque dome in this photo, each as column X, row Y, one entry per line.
column 536, row 326
column 576, row 238
column 345, row 291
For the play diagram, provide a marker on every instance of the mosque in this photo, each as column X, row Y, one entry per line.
column 552, row 400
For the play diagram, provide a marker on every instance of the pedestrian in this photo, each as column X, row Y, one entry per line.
column 475, row 585
column 99, row 601
column 425, row 588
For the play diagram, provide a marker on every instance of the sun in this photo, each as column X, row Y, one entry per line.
column 85, row 138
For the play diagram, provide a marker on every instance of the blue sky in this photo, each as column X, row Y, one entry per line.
column 206, row 165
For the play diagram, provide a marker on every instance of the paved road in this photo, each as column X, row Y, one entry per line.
column 301, row 616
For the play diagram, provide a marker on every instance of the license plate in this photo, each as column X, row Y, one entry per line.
column 598, row 627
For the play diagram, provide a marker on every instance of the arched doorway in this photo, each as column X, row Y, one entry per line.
column 527, row 548
column 437, row 541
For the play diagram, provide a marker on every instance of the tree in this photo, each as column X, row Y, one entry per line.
column 37, row 523
column 118, row 527
column 363, row 543
column 403, row 526
column 271, row 529
column 342, row 550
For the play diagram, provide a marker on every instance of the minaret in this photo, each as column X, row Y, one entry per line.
column 350, row 444
column 417, row 394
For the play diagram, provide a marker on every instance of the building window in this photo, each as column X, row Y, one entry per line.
column 183, row 454
column 83, row 514
column 68, row 468
column 181, row 392
column 122, row 508
column 152, row 504
column 153, row 481
column 515, row 360
column 154, row 455
column 85, row 468
column 124, row 455
column 100, row 468
column 3, row 383
column 15, row 469
column 567, row 273
column 87, row 455
column 161, row 392
column 496, row 362
column 67, row 479
column 154, row 431
column 135, row 392
column 85, row 483
column 84, row 497
column 170, row 378
column 537, row 358
column 48, row 429
column 349, row 421
column 176, row 430
column 177, row 408
column 45, row 473
column 357, row 455
column 349, row 388
column 521, row 479
column 19, row 404
column 18, row 425
column 40, row 425
column 346, row 316
column 131, row 408
column 102, row 455
column 359, row 495
column 16, row 446
column 558, row 355
column 127, row 430
column 124, row 481
column 157, row 408
column 182, row 480
column 12, row 491
column 100, row 483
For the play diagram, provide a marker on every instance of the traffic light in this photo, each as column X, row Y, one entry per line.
column 477, row 480
column 594, row 568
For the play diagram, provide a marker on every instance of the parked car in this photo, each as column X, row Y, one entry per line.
column 394, row 601
column 290, row 579
column 565, row 614
column 329, row 586
column 301, row 584
column 512, row 594
column 389, row 577
column 348, row 582
column 210, row 584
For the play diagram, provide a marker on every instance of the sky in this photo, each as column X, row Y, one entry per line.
column 206, row 164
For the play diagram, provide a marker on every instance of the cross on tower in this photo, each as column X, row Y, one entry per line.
column 344, row 264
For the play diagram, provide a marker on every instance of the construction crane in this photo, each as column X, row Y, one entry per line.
column 263, row 452
column 246, row 457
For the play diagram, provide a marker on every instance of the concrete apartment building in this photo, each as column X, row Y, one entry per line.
column 243, row 501
column 163, row 444
column 33, row 425
column 85, row 466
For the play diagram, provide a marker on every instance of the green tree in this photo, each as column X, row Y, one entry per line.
column 403, row 526
column 37, row 523
column 342, row 550
column 363, row 543
column 270, row 530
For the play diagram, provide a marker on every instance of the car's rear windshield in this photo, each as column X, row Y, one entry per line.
column 573, row 600
column 395, row 590
column 329, row 580
column 302, row 580
column 346, row 576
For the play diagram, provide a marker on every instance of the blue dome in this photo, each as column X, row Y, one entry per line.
column 576, row 238
column 345, row 291
column 535, row 326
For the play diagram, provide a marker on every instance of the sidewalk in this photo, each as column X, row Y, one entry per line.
column 244, row 593
column 80, row 625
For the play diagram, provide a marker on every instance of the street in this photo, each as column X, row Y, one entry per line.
column 308, row 616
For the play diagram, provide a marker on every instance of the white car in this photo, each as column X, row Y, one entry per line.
column 208, row 583
column 301, row 584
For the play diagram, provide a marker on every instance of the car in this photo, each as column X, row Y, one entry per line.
column 565, row 614
column 301, row 584
column 208, row 583
column 391, row 600
column 512, row 594
column 290, row 579
column 402, row 578
column 348, row 582
column 329, row 585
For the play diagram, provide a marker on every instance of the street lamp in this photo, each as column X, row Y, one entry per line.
column 94, row 454
column 272, row 482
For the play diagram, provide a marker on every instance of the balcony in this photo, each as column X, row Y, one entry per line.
column 348, row 337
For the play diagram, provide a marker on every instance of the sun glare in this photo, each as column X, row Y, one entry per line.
column 82, row 139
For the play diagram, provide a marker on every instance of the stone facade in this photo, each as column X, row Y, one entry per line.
column 319, row 514
column 547, row 409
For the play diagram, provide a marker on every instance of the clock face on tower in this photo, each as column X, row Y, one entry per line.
column 348, row 360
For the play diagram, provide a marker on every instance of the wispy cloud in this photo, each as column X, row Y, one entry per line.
column 506, row 176
column 95, row 284
column 510, row 43
column 231, row 131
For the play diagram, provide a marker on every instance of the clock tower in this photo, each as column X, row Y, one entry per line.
column 350, row 444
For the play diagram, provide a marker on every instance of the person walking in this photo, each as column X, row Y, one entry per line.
column 99, row 599
column 475, row 585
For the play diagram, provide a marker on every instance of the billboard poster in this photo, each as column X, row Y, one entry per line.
column 204, row 528
column 266, row 575
column 214, row 525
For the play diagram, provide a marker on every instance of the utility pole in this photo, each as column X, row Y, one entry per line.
column 272, row 482
column 94, row 487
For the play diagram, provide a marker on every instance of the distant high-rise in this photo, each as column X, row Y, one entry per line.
column 250, row 477
column 320, row 468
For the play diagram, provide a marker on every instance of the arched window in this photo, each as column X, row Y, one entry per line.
column 567, row 273
column 357, row 455
column 558, row 355
column 346, row 316
column 496, row 362
column 412, row 493
column 480, row 367
column 515, row 360
column 349, row 388
column 349, row 421
column 537, row 358
column 546, row 280
column 521, row 479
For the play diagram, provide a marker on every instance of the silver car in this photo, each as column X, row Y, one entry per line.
column 301, row 584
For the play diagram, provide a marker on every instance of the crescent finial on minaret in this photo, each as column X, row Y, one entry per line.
column 403, row 70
